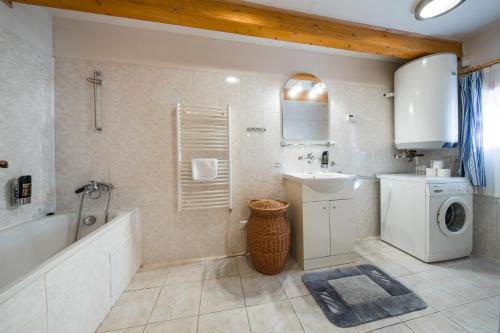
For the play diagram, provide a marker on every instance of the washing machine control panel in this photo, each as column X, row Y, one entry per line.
column 448, row 189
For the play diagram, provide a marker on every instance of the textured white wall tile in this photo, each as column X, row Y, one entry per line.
column 497, row 241
column 27, row 126
column 485, row 225
column 140, row 139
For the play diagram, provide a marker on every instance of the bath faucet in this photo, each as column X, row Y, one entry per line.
column 309, row 158
column 94, row 187
column 93, row 190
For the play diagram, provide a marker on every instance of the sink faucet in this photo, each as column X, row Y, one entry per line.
column 309, row 158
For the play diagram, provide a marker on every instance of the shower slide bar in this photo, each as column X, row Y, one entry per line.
column 96, row 81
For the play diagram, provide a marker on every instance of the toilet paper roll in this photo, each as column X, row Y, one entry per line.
column 430, row 172
column 437, row 164
column 444, row 173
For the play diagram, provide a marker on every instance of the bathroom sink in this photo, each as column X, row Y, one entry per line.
column 319, row 187
column 318, row 177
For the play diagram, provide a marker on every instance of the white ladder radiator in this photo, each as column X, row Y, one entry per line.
column 203, row 132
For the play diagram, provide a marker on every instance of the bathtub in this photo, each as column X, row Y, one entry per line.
column 49, row 283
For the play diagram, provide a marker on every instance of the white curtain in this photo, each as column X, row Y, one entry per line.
column 491, row 129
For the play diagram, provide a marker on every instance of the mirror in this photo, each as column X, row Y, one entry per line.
column 304, row 110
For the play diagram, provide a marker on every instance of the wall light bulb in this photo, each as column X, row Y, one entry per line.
column 295, row 90
column 312, row 94
column 232, row 80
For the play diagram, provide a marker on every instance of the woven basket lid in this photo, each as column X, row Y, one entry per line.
column 267, row 204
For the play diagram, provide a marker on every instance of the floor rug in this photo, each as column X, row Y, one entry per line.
column 352, row 296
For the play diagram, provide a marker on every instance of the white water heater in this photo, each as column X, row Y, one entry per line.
column 426, row 103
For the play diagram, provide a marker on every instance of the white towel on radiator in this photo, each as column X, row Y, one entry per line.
column 204, row 168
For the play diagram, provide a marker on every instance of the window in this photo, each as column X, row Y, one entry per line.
column 491, row 126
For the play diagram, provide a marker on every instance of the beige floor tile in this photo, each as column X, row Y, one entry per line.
column 221, row 268
column 132, row 309
column 433, row 323
column 291, row 265
column 221, row 294
column 413, row 264
column 313, row 319
column 230, row 321
column 385, row 262
column 185, row 273
column 148, row 279
column 291, row 282
column 481, row 272
column 378, row 324
column 476, row 317
column 138, row 329
column 273, row 317
column 479, row 264
column 261, row 289
column 184, row 325
column 367, row 247
column 415, row 314
column 245, row 266
column 431, row 293
column 398, row 328
column 457, row 282
column 177, row 301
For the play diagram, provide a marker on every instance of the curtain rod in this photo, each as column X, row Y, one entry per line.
column 479, row 67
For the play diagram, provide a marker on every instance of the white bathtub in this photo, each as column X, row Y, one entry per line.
column 50, row 284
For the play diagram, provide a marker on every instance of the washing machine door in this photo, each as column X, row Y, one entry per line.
column 454, row 217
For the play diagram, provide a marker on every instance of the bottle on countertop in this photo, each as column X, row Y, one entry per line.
column 324, row 161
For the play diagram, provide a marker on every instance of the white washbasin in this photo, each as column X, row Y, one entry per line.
column 303, row 177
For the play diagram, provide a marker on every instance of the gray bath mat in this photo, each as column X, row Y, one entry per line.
column 356, row 295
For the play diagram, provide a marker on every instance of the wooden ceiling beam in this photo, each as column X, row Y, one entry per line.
column 264, row 22
column 8, row 3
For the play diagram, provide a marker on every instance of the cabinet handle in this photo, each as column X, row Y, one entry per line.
column 334, row 207
column 324, row 207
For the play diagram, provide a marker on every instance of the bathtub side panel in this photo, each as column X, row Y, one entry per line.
column 75, row 292
column 124, row 256
column 32, row 317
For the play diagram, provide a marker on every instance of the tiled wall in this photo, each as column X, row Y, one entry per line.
column 137, row 149
column 26, row 126
column 486, row 226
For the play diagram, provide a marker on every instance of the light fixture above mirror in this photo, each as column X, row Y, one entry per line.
column 305, row 108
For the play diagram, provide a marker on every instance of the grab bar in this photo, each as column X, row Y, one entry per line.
column 96, row 81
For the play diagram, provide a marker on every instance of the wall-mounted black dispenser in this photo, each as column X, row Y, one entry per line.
column 324, row 160
column 22, row 191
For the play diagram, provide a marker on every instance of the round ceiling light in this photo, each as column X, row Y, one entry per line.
column 427, row 9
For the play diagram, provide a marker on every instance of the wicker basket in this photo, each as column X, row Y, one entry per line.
column 268, row 235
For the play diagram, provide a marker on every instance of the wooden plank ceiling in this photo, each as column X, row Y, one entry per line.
column 264, row 22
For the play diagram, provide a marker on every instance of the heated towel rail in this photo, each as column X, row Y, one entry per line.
column 203, row 132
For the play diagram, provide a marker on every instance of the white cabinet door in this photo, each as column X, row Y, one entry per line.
column 316, row 228
column 342, row 226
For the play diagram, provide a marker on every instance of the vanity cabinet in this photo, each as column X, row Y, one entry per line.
column 317, row 234
column 322, row 223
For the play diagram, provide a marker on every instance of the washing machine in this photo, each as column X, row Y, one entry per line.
column 449, row 223
column 427, row 217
